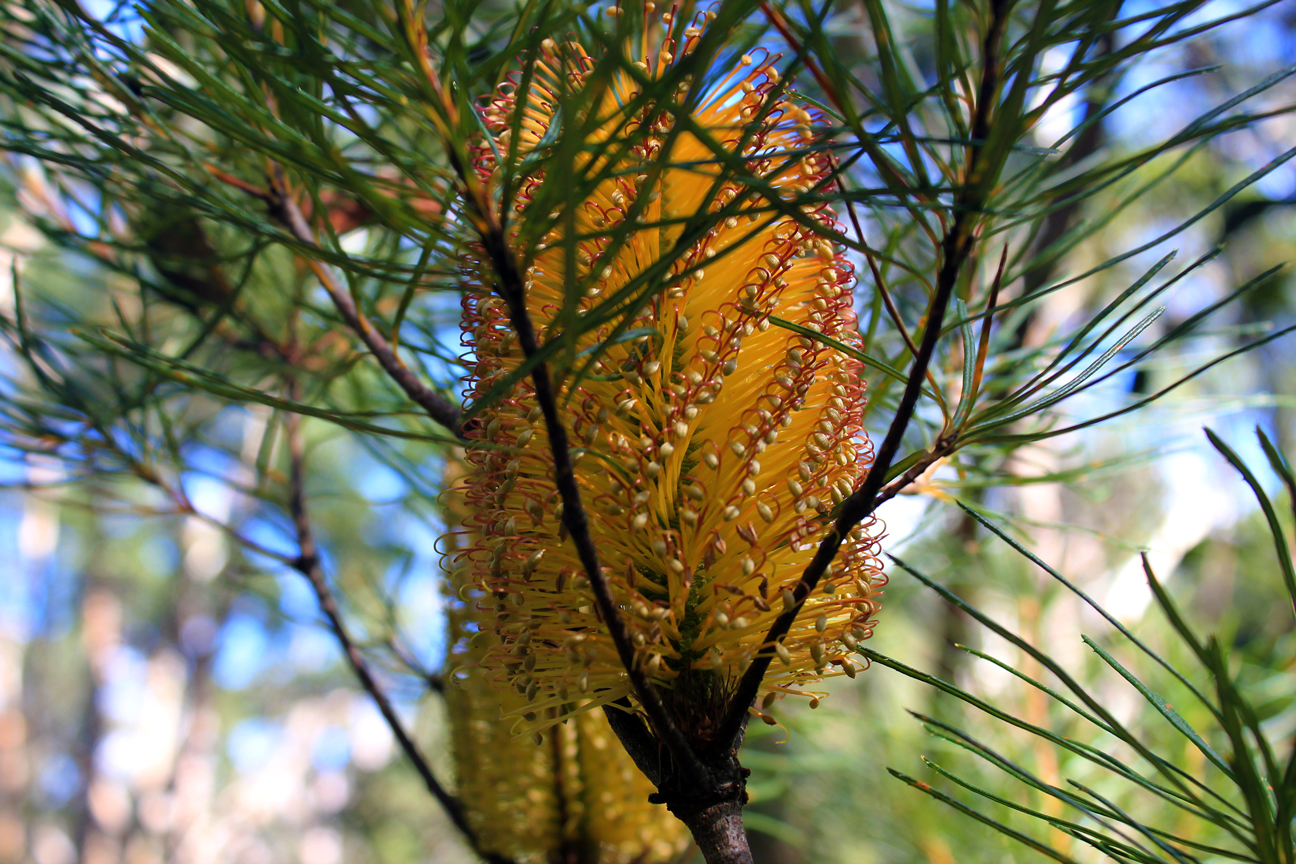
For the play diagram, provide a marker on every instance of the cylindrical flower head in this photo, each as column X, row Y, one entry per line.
column 710, row 454
column 578, row 792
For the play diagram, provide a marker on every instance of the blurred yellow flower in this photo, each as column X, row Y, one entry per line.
column 578, row 793
column 710, row 453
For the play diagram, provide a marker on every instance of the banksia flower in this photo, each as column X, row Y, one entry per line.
column 578, row 796
column 710, row 454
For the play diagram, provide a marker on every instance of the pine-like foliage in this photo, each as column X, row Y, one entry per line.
column 283, row 202
column 1221, row 786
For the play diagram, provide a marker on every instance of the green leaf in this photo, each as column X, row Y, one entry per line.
column 1164, row 709
column 1278, row 461
column 1183, row 784
column 1024, row 839
column 872, row 362
column 1271, row 515
column 194, row 376
column 1093, row 604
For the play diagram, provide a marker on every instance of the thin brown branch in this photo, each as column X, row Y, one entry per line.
column 510, row 287
column 242, row 185
column 892, row 311
column 890, row 305
column 440, row 409
column 956, row 249
column 943, row 448
column 878, row 281
column 308, row 564
column 983, row 344
column 872, row 264
column 780, row 24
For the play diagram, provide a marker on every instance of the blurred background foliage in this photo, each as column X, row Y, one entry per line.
column 170, row 691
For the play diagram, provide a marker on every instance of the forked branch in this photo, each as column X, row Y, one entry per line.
column 440, row 409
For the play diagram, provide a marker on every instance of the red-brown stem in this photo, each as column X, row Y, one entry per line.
column 437, row 406
column 776, row 18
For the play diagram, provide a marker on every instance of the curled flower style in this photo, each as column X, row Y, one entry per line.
column 711, row 452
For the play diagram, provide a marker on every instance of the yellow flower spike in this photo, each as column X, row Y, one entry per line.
column 615, row 795
column 713, row 452
column 574, row 788
column 571, row 790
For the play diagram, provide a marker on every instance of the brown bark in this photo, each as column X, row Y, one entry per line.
column 712, row 808
column 718, row 831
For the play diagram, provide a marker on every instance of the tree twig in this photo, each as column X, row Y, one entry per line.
column 574, row 519
column 440, row 409
column 956, row 248
column 883, row 165
column 883, row 292
column 308, row 564
column 887, row 301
